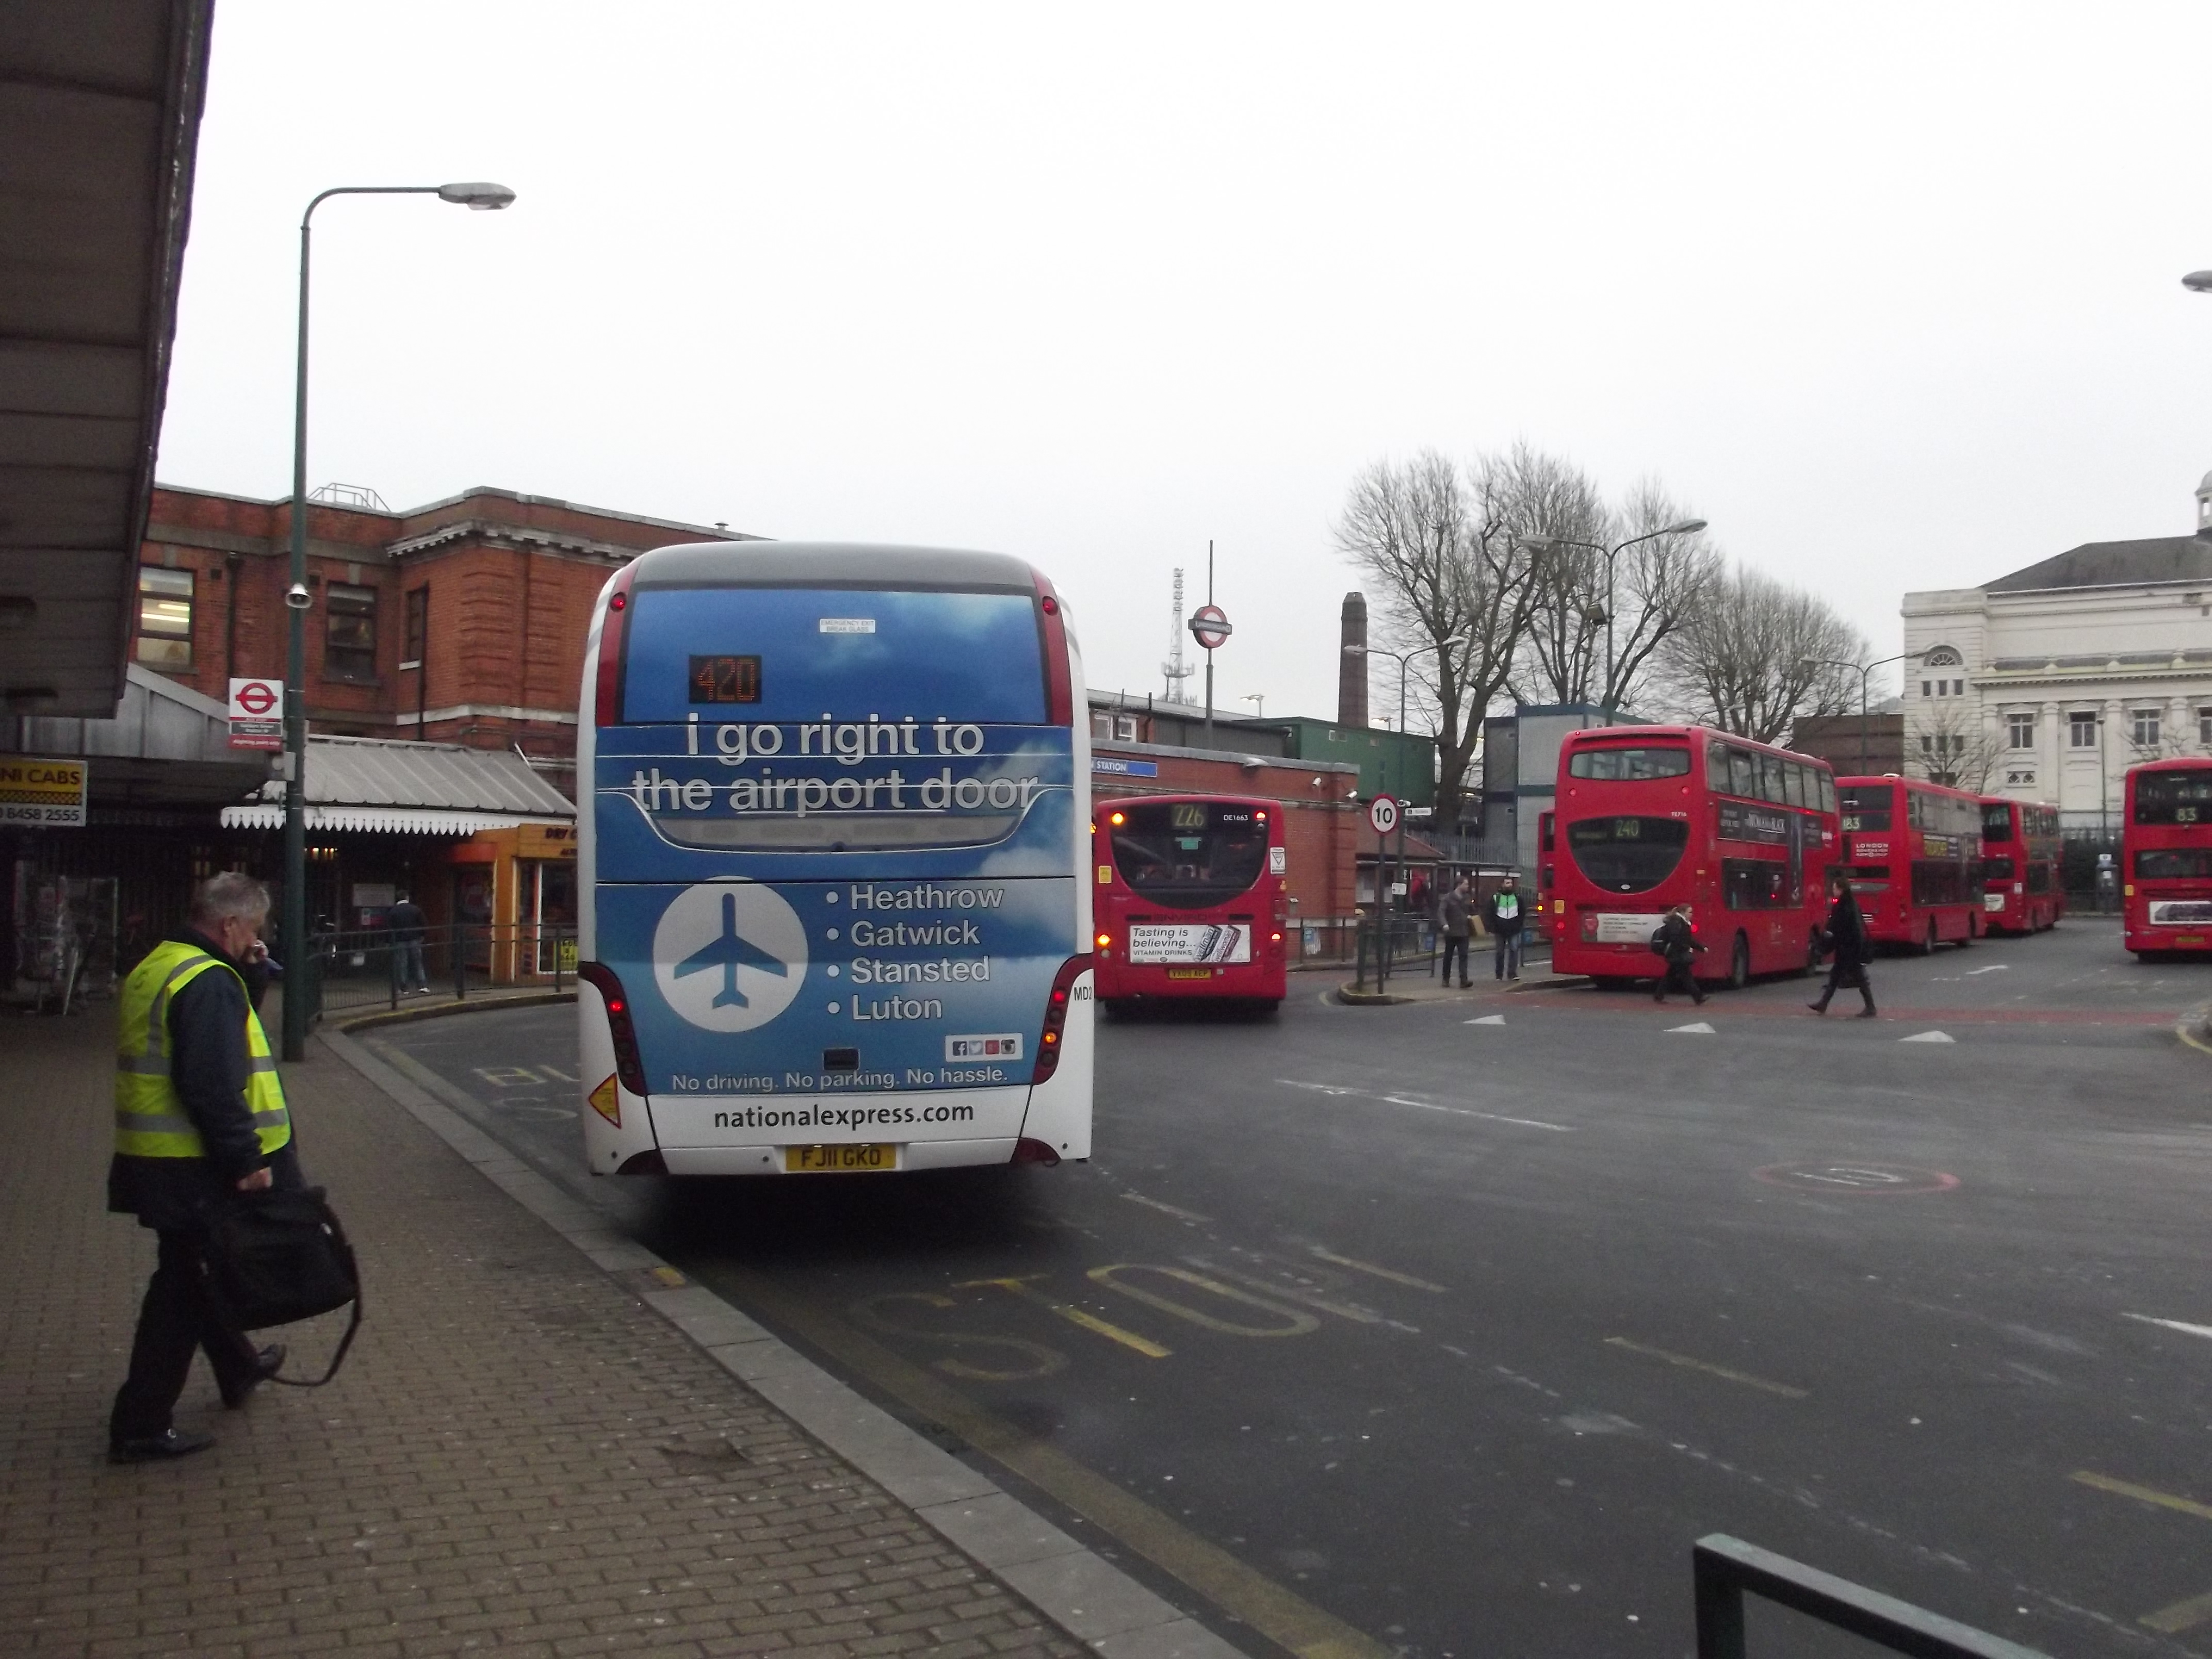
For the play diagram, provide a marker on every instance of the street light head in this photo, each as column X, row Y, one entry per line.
column 2198, row 281
column 1687, row 528
column 477, row 197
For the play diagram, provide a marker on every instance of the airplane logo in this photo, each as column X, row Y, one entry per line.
column 729, row 955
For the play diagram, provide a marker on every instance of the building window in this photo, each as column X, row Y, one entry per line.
column 2081, row 731
column 164, row 617
column 1125, row 728
column 2020, row 729
column 349, row 632
column 1927, row 688
column 2204, row 727
column 2143, row 728
column 415, row 627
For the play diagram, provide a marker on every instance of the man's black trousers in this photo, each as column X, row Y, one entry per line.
column 175, row 1318
column 1452, row 946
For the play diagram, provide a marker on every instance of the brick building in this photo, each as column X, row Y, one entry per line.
column 459, row 621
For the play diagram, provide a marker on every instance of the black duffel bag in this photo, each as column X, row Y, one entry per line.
column 277, row 1256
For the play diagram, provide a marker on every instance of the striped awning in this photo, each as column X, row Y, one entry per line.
column 387, row 820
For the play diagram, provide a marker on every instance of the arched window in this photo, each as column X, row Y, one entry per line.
column 1942, row 656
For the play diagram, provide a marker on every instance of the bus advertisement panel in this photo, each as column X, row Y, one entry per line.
column 2165, row 852
column 1654, row 816
column 831, row 916
column 1190, row 899
column 1915, row 853
column 2021, row 892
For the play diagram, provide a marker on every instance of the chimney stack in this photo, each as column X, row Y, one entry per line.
column 1351, row 667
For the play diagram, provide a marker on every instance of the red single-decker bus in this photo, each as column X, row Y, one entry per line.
column 1651, row 817
column 1189, row 901
column 1915, row 853
column 2021, row 892
column 2165, row 849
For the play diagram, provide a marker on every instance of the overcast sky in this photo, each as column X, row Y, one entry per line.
column 1889, row 294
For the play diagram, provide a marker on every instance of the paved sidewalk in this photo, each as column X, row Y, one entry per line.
column 520, row 1457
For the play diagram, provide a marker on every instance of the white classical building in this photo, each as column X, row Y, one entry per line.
column 2047, row 684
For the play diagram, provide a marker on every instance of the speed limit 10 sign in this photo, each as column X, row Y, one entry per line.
column 1383, row 813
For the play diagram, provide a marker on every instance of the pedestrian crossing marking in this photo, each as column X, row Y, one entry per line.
column 1488, row 1019
column 1700, row 1028
column 1928, row 1036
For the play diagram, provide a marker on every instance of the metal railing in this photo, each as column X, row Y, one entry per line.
column 351, row 969
column 1725, row 1568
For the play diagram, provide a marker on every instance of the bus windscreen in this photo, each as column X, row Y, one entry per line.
column 1188, row 854
column 1996, row 823
column 2173, row 797
column 1629, row 764
column 790, row 655
column 1866, row 807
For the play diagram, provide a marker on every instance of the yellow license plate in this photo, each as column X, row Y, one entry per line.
column 818, row 1160
column 2190, row 942
column 1190, row 973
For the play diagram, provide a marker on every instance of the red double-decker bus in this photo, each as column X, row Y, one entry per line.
column 1189, row 901
column 1915, row 853
column 1651, row 817
column 2166, row 850
column 2021, row 892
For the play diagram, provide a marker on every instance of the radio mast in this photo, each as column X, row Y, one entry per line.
column 1176, row 670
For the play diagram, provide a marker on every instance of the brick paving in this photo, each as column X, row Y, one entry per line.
column 519, row 1458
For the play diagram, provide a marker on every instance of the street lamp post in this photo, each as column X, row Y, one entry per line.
column 293, row 937
column 1548, row 543
column 1865, row 672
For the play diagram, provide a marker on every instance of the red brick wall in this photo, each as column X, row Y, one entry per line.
column 507, row 622
column 1320, row 827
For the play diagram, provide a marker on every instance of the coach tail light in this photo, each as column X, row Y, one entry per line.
column 1055, row 1017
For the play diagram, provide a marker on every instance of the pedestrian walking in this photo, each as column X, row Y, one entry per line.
column 1844, row 934
column 1503, row 915
column 407, row 922
column 1677, row 941
column 1455, row 920
column 199, row 1111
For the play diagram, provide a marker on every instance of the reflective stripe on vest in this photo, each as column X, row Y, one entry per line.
column 150, row 1120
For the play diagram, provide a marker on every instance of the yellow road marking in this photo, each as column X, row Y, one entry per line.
column 1722, row 1372
column 2182, row 1030
column 1169, row 1209
column 2165, row 1500
column 1073, row 1314
column 669, row 1276
column 2181, row 1616
column 1292, row 1293
column 1211, row 1571
column 1301, row 1324
column 1390, row 1274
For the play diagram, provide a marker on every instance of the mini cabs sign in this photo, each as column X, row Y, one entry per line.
column 42, row 793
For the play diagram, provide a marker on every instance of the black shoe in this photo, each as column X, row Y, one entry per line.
column 157, row 1448
column 1864, row 1013
column 266, row 1364
column 1818, row 1007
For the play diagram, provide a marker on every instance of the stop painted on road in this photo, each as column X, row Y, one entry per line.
column 1854, row 1179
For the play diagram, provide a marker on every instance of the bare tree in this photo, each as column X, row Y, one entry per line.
column 1661, row 584
column 1749, row 658
column 1453, row 588
column 1948, row 742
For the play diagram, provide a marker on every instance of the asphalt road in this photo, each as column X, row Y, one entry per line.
column 1378, row 1328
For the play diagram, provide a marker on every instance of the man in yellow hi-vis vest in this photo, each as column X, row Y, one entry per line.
column 198, row 1109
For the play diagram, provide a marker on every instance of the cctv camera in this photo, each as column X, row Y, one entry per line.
column 297, row 596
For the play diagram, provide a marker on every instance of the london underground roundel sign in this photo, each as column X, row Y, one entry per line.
column 1383, row 813
column 1209, row 626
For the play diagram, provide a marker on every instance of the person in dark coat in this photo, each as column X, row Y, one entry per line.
column 1678, row 944
column 199, row 1111
column 407, row 922
column 1454, row 918
column 1844, row 934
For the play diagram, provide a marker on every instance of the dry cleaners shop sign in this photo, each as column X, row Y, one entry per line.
column 36, row 792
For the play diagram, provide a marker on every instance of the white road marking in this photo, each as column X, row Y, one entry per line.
column 1426, row 1105
column 1167, row 1209
column 1928, row 1036
column 1700, row 1028
column 1994, row 968
column 1488, row 1019
column 2172, row 1325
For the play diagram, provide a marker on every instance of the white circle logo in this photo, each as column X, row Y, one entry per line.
column 729, row 955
